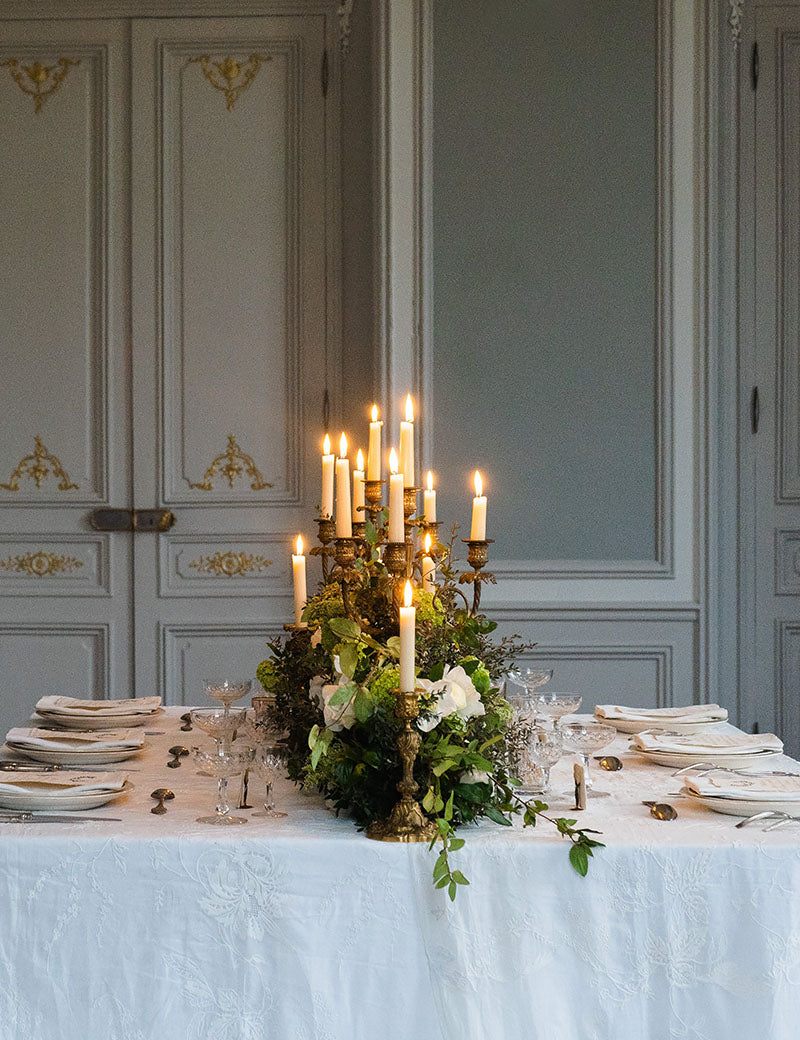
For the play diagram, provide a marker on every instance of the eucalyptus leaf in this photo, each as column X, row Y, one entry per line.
column 362, row 705
column 345, row 628
column 348, row 659
column 342, row 695
column 497, row 816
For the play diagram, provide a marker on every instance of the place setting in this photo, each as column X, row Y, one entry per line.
column 732, row 749
column 74, row 713
column 690, row 718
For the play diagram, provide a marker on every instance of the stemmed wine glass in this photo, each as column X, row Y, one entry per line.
column 585, row 737
column 223, row 763
column 542, row 750
column 267, row 764
column 227, row 690
column 552, row 705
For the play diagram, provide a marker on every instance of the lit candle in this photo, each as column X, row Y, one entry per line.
column 358, row 488
column 407, row 625
column 397, row 526
column 327, row 478
column 299, row 573
column 344, row 517
column 428, row 566
column 407, row 444
column 478, row 532
column 374, row 453
column 430, row 501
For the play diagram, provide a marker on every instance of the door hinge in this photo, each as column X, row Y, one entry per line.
column 754, row 66
column 324, row 73
column 755, row 410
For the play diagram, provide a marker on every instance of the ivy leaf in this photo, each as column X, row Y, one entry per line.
column 440, row 867
column 442, row 767
column 469, row 664
column 393, row 645
column 348, row 659
column 312, row 736
column 448, row 809
column 497, row 816
column 345, row 628
column 456, row 844
column 370, row 532
column 579, row 858
column 427, row 801
column 436, row 672
column 459, row 878
column 452, row 891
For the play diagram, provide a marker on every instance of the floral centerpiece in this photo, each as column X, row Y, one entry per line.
column 335, row 681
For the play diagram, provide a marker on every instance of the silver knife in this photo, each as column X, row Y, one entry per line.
column 29, row 817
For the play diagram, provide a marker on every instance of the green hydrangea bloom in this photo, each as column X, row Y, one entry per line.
column 326, row 605
column 267, row 675
column 387, row 680
column 428, row 608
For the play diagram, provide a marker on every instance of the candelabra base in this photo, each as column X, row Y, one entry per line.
column 406, row 822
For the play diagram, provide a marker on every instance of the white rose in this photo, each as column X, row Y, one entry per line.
column 474, row 776
column 456, row 694
column 315, row 690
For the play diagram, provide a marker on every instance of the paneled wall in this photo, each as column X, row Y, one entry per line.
column 544, row 245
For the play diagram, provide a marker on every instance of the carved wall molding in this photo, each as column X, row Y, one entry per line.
column 223, row 75
column 344, row 12
column 230, row 564
column 38, row 467
column 41, row 564
column 231, row 464
column 38, row 80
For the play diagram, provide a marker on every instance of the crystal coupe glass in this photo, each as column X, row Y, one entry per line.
column 219, row 723
column 227, row 690
column 585, row 737
column 223, row 763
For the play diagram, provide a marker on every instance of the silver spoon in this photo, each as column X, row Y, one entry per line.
column 661, row 810
column 609, row 762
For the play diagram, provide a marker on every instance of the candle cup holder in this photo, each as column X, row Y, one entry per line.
column 373, row 493
column 477, row 557
column 345, row 553
column 359, row 533
column 431, row 528
column 394, row 559
column 327, row 532
column 406, row 822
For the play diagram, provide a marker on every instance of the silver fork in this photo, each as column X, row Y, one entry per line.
column 778, row 819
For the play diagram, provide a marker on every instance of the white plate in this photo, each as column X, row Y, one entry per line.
column 26, row 800
column 98, row 721
column 742, row 806
column 74, row 758
column 629, row 726
column 680, row 759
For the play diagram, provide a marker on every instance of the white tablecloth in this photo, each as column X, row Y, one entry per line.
column 302, row 929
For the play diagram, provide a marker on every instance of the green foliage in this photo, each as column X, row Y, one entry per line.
column 461, row 767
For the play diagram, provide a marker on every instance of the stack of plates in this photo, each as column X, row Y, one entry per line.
column 744, row 795
column 694, row 718
column 30, row 791
column 729, row 750
column 72, row 713
column 73, row 748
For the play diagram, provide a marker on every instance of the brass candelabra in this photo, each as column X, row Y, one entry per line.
column 327, row 532
column 477, row 557
column 406, row 822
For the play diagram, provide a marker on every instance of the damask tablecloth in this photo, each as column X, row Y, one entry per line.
column 302, row 929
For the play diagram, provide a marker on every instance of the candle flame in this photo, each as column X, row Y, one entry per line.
column 299, row 545
column 360, row 461
column 408, row 594
column 343, row 447
column 326, row 445
column 374, row 413
column 478, row 484
column 409, row 409
column 393, row 461
column 427, row 543
column 430, row 481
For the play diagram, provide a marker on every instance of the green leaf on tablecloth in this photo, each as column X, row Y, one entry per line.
column 579, row 858
column 459, row 878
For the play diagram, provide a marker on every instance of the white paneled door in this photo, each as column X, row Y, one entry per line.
column 165, row 187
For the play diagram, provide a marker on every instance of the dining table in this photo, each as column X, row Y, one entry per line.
column 130, row 925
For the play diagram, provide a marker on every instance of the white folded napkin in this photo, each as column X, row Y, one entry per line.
column 752, row 788
column 74, row 706
column 105, row 740
column 689, row 713
column 61, row 784
column 707, row 745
